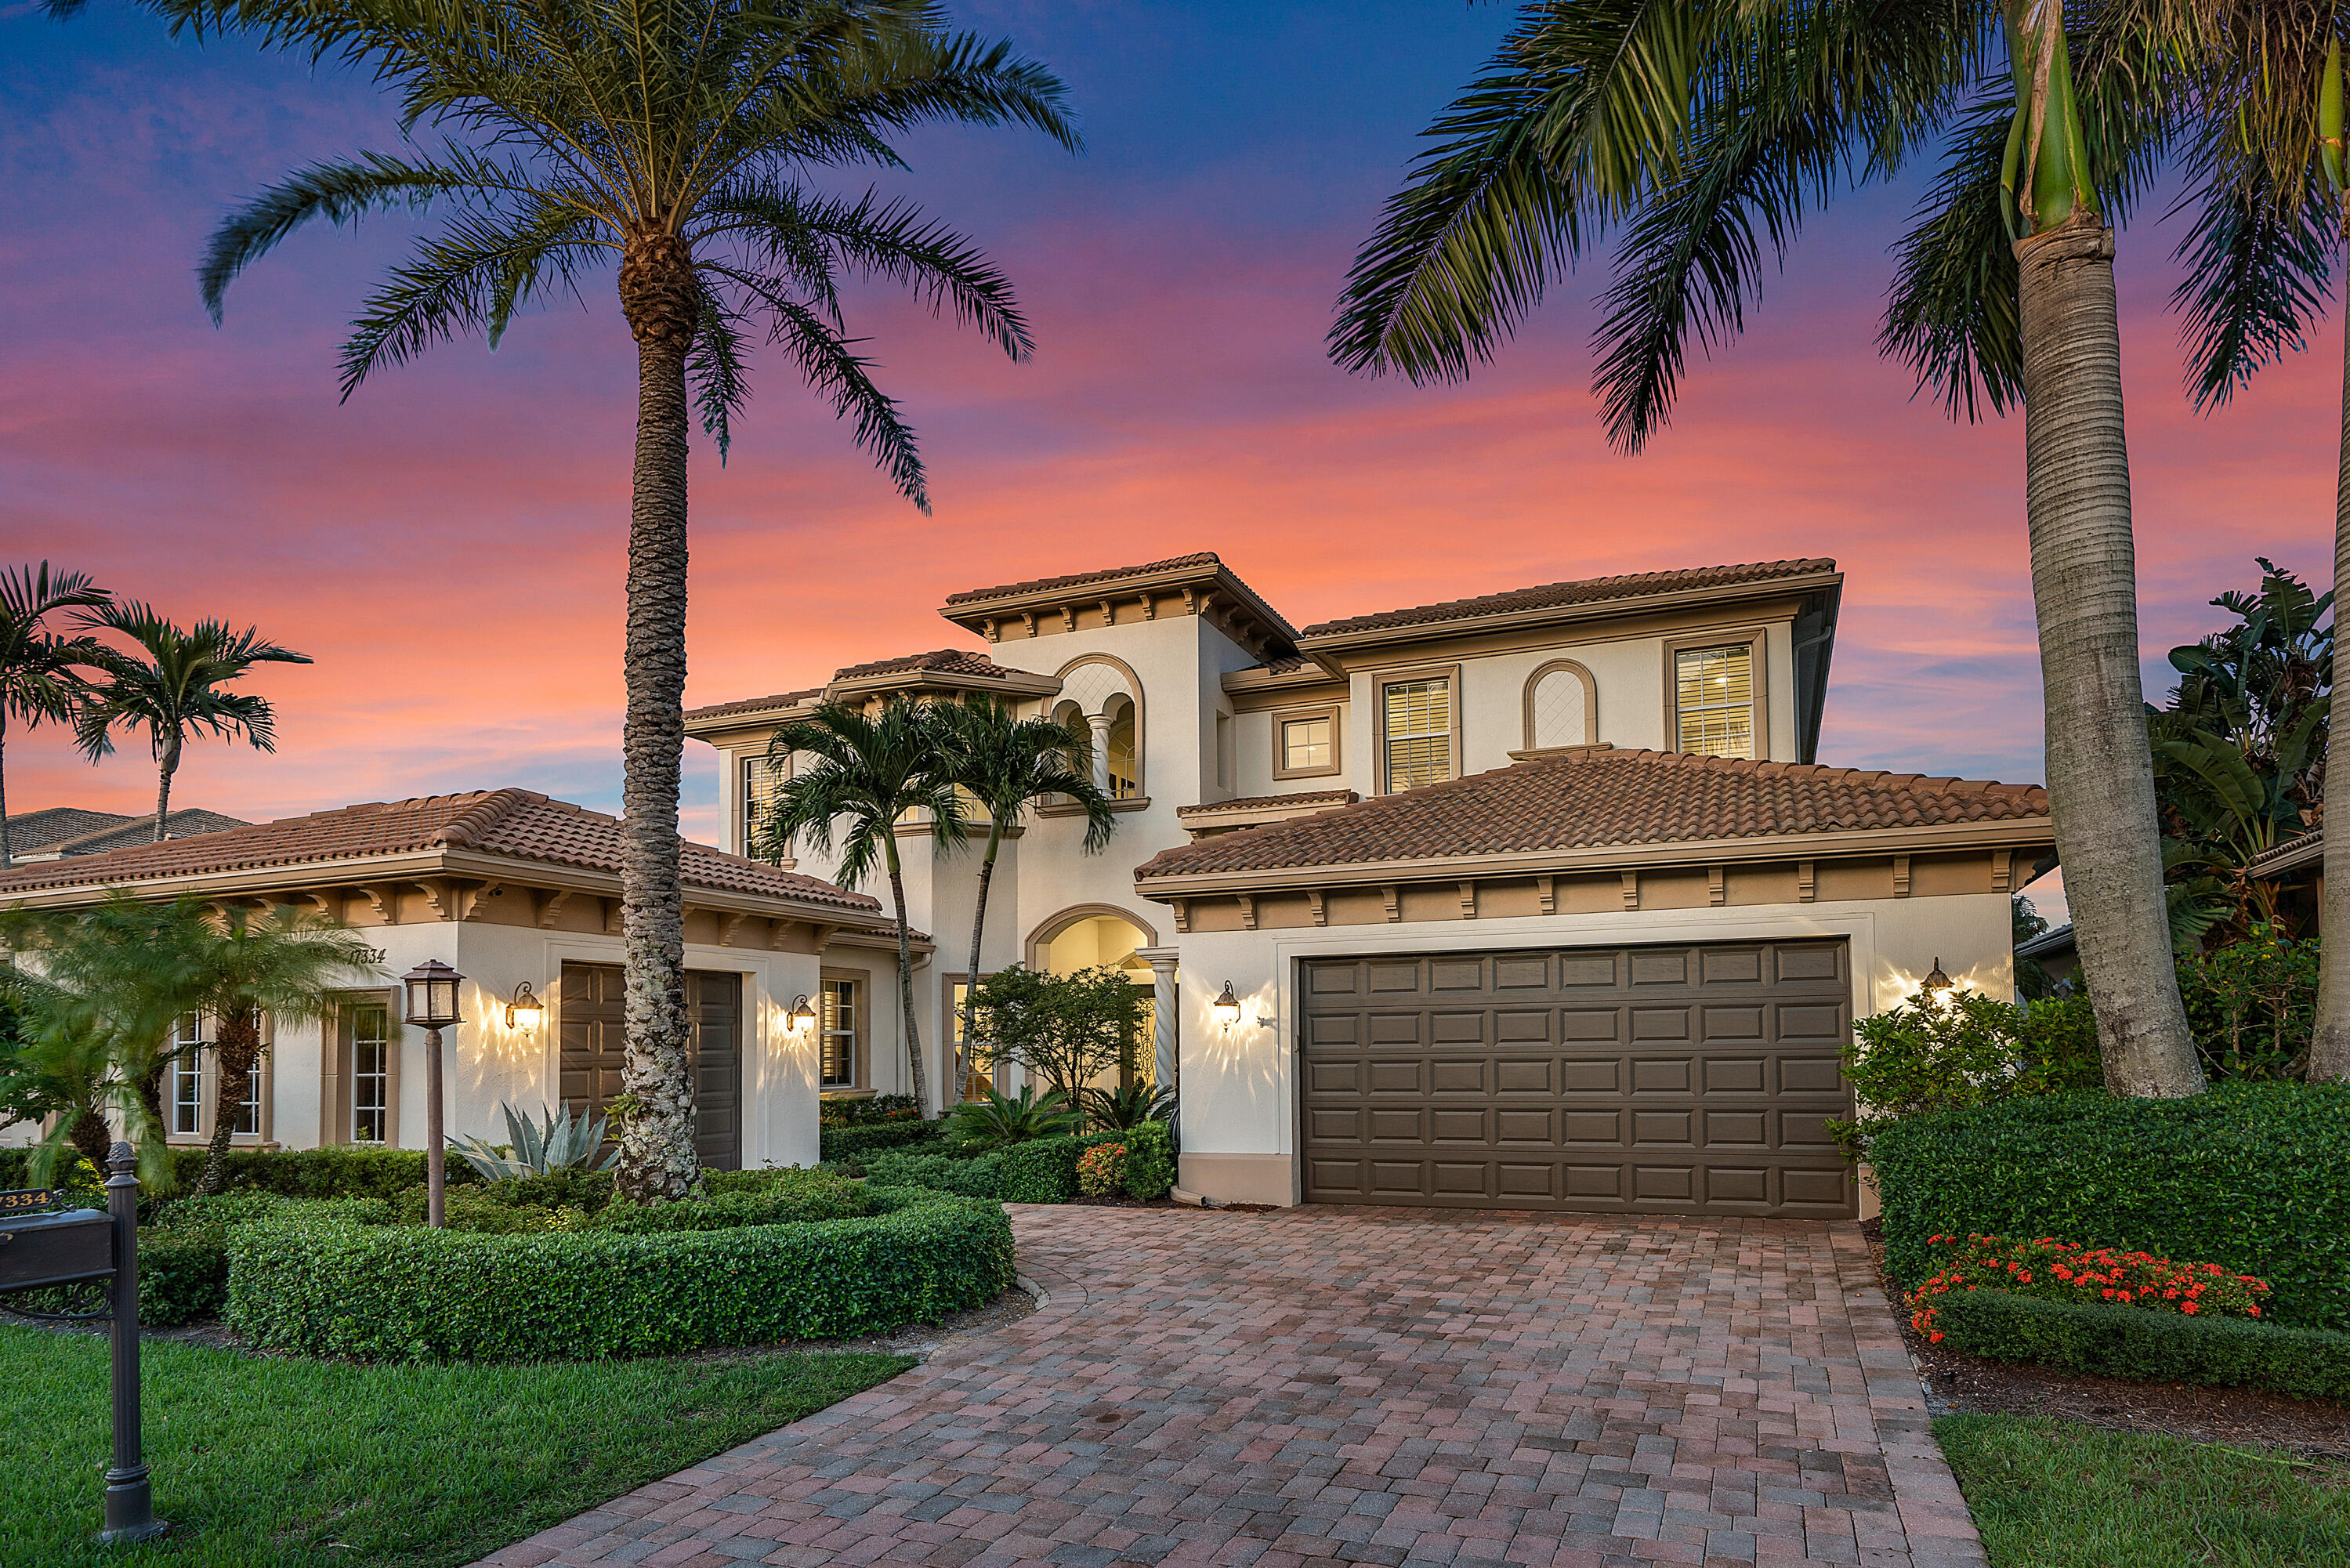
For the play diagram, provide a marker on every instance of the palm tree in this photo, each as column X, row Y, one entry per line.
column 864, row 773
column 673, row 137
column 1691, row 126
column 1006, row 765
column 174, row 685
column 38, row 679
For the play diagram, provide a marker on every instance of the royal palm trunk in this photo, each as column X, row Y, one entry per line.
column 167, row 763
column 2084, row 588
column 2329, row 1053
column 657, row 1157
column 978, row 927
column 918, row 1079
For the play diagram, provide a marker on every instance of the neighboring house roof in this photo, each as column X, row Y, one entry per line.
column 2054, row 940
column 31, row 832
column 186, row 823
column 514, row 824
column 1587, row 590
column 1597, row 798
column 2294, row 854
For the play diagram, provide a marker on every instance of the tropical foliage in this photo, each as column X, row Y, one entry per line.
column 557, row 1141
column 1065, row 1028
column 1954, row 1050
column 39, row 674
column 2252, row 1002
column 998, row 1120
column 173, row 684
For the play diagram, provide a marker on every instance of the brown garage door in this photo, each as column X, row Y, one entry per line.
column 595, row 1052
column 1653, row 1080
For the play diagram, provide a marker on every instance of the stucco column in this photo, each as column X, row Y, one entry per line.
column 1099, row 724
column 1162, row 1009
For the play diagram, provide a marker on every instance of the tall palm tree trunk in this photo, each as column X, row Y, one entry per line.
column 6, row 858
column 167, row 763
column 2084, row 588
column 657, row 1156
column 233, row 1055
column 918, row 1079
column 2329, row 1053
column 978, row 927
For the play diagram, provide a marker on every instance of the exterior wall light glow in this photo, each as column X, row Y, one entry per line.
column 1936, row 982
column 801, row 1017
column 525, row 1010
column 1227, row 1007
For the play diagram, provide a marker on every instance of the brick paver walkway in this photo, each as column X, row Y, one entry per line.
column 1327, row 1386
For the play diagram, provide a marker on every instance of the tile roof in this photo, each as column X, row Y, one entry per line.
column 1595, row 797
column 2301, row 849
column 755, row 704
column 943, row 660
column 1263, row 801
column 33, row 831
column 1081, row 579
column 184, row 823
column 519, row 823
column 1587, row 591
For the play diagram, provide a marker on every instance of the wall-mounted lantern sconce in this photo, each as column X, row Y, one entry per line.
column 801, row 1017
column 1936, row 982
column 525, row 1010
column 1227, row 1007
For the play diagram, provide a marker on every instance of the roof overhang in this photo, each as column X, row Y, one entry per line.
column 733, row 721
column 2008, row 834
column 1208, row 589
column 1799, row 584
column 2292, row 855
column 461, row 874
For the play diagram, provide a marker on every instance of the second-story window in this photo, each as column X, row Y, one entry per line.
column 1305, row 746
column 1418, row 733
column 761, row 781
column 1713, row 700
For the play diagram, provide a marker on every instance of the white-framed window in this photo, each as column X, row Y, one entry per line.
column 369, row 1031
column 1713, row 700
column 837, row 1024
column 1418, row 731
column 976, row 1071
column 184, row 1084
column 762, row 780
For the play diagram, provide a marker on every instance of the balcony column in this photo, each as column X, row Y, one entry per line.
column 1099, row 724
column 1163, row 1002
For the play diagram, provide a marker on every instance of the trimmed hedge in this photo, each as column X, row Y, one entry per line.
column 399, row 1293
column 1149, row 1160
column 183, row 1256
column 1041, row 1170
column 974, row 1177
column 793, row 1196
column 852, row 1142
column 2254, row 1176
column 2147, row 1346
column 336, row 1171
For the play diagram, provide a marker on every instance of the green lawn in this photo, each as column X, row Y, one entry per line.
column 2057, row 1494
column 269, row 1463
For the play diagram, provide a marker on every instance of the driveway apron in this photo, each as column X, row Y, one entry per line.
column 1326, row 1385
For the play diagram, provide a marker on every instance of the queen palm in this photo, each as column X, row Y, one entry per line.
column 38, row 679
column 860, row 773
column 1692, row 125
column 173, row 684
column 675, row 138
column 1008, row 765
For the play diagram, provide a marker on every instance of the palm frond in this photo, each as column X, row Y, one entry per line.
column 714, row 367
column 2258, row 274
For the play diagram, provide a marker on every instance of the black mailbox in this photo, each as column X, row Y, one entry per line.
column 55, row 1249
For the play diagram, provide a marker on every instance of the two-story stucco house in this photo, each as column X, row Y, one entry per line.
column 1538, row 899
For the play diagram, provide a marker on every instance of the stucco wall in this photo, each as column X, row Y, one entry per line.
column 1239, row 1104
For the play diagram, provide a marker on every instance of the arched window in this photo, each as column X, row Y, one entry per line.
column 1125, row 776
column 1561, row 705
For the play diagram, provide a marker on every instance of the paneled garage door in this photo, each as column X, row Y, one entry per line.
column 1652, row 1080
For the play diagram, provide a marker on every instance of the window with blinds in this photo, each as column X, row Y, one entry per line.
column 1713, row 700
column 838, row 1024
column 761, row 781
column 1418, row 733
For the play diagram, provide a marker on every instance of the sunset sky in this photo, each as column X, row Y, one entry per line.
column 448, row 545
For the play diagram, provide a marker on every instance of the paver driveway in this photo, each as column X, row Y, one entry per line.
column 1324, row 1385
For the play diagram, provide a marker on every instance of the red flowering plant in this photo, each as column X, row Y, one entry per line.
column 2069, row 1272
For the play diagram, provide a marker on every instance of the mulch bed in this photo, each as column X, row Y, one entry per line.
column 1956, row 1383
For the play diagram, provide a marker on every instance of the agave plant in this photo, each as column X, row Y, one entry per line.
column 1001, row 1119
column 1117, row 1109
column 560, row 1142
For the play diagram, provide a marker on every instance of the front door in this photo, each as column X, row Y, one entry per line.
column 594, row 1043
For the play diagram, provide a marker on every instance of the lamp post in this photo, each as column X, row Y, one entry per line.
column 433, row 1003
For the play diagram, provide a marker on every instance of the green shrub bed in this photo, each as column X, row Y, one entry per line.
column 852, row 1143
column 2254, row 1176
column 1043, row 1170
column 183, row 1255
column 339, row 1171
column 386, row 1292
column 2147, row 1346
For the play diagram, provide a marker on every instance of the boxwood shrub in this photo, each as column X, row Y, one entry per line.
column 973, row 1178
column 1041, row 1170
column 336, row 1171
column 2147, row 1346
column 2254, row 1176
column 853, row 1143
column 396, row 1292
column 183, row 1255
column 1149, row 1160
column 785, row 1197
